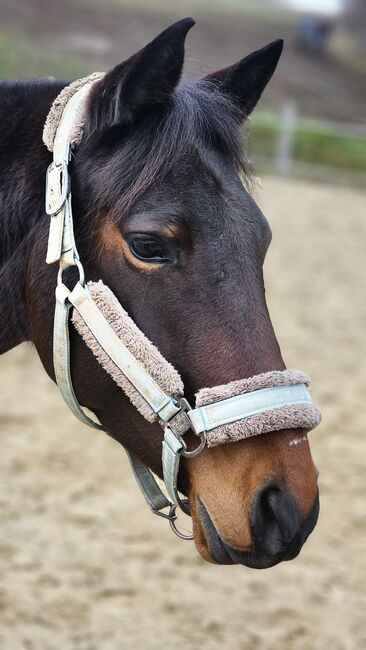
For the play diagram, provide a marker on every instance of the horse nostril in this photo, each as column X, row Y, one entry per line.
column 275, row 520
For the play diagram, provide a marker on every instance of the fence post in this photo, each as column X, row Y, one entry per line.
column 286, row 138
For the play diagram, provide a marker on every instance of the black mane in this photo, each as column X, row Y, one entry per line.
column 23, row 157
column 197, row 115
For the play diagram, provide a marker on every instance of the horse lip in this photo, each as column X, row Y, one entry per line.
column 216, row 546
column 223, row 553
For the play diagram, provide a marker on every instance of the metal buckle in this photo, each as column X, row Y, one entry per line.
column 57, row 186
column 180, row 423
column 172, row 517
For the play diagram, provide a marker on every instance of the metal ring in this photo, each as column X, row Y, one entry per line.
column 80, row 268
column 195, row 452
column 173, row 526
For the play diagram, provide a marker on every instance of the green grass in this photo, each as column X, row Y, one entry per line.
column 21, row 59
column 313, row 143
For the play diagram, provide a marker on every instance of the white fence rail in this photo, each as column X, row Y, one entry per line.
column 285, row 164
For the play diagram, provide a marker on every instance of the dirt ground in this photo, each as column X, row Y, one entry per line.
column 85, row 566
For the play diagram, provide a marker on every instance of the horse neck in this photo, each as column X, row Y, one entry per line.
column 23, row 162
column 23, row 157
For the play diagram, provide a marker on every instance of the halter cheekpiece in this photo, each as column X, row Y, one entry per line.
column 267, row 402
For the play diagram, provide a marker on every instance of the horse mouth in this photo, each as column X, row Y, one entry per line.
column 223, row 553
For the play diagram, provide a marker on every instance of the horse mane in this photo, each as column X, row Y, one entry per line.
column 23, row 158
column 196, row 116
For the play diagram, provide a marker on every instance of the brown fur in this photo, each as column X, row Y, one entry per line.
column 227, row 500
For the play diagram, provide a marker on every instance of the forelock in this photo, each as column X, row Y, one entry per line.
column 196, row 115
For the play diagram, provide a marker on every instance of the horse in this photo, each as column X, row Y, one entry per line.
column 164, row 216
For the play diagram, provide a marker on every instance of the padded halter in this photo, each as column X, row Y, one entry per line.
column 248, row 407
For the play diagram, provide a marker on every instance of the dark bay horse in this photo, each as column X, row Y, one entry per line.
column 163, row 217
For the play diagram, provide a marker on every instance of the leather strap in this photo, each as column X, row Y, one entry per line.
column 62, row 247
column 61, row 356
column 58, row 197
column 172, row 448
column 164, row 405
column 206, row 418
column 154, row 496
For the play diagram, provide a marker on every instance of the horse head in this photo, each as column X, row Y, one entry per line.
column 163, row 217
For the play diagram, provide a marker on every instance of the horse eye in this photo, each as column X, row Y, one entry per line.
column 148, row 248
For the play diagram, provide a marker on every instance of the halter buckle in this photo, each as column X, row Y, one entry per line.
column 180, row 423
column 57, row 186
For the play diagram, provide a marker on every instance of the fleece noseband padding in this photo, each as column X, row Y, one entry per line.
column 285, row 416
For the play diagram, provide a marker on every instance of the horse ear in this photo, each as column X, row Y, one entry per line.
column 245, row 81
column 135, row 86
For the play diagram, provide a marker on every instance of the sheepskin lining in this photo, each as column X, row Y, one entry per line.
column 289, row 416
column 136, row 342
column 58, row 106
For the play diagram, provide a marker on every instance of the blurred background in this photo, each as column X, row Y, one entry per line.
column 83, row 564
column 311, row 121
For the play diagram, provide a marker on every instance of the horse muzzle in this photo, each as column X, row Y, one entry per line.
column 277, row 529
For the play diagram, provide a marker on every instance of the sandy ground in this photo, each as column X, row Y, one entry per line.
column 83, row 564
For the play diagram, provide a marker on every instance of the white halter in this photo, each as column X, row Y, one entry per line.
column 174, row 414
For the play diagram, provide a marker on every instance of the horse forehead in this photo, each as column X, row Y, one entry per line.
column 214, row 183
column 208, row 190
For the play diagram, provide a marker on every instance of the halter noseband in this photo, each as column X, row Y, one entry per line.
column 248, row 407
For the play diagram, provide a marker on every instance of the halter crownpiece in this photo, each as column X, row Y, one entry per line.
column 75, row 129
column 248, row 407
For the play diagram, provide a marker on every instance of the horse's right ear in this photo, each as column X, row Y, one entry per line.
column 147, row 79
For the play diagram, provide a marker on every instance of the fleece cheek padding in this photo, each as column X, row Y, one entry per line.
column 137, row 343
column 287, row 416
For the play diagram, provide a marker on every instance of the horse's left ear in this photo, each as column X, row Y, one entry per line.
column 245, row 81
column 145, row 80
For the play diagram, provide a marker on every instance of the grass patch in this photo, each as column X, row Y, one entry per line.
column 313, row 143
column 21, row 59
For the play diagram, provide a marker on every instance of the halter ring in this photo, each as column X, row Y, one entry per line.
column 68, row 265
column 172, row 519
column 191, row 454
